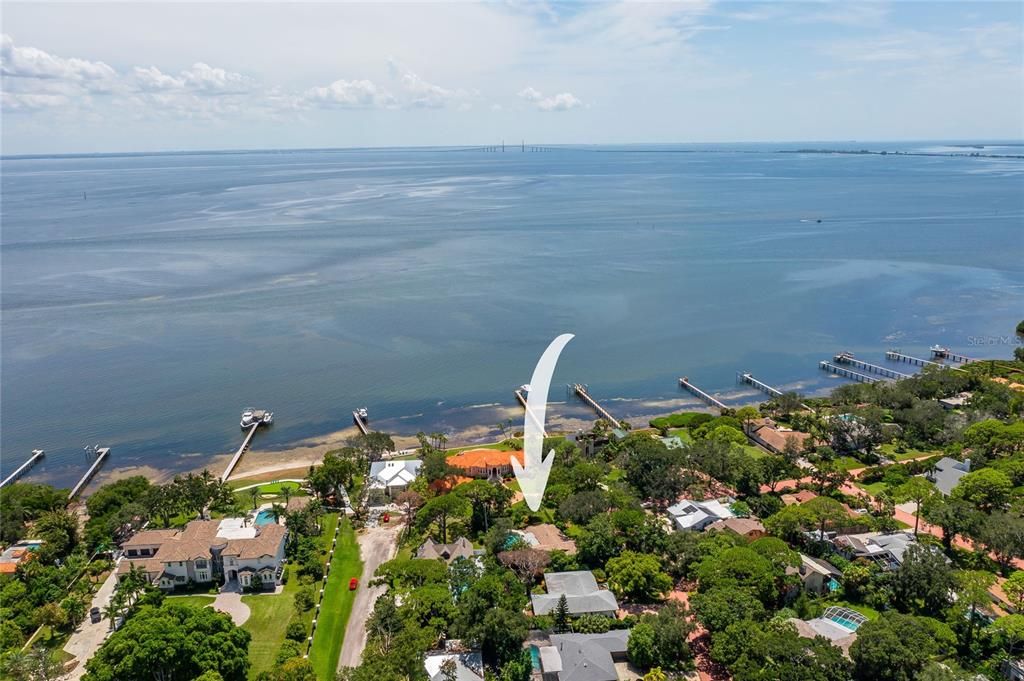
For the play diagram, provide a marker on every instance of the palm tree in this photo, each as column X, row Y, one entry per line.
column 277, row 510
column 286, row 492
column 255, row 494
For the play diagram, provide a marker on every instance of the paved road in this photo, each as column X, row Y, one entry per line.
column 376, row 545
column 88, row 637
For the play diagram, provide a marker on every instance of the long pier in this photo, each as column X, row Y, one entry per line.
column 713, row 401
column 361, row 423
column 846, row 373
column 37, row 454
column 522, row 400
column 581, row 390
column 944, row 353
column 847, row 358
column 101, row 456
column 748, row 378
column 238, row 455
column 897, row 356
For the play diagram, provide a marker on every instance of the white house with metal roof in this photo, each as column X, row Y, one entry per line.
column 388, row 478
column 696, row 515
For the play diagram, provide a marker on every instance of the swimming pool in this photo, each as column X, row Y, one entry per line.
column 535, row 657
column 264, row 517
column 844, row 617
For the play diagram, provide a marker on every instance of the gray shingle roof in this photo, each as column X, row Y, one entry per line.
column 588, row 657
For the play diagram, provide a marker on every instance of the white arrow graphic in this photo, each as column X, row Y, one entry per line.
column 533, row 476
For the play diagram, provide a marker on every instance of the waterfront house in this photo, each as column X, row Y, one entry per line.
column 958, row 401
column 947, row 473
column 432, row 550
column 774, row 438
column 388, row 478
column 208, row 552
column 697, row 515
column 489, row 464
column 581, row 593
column 583, row 657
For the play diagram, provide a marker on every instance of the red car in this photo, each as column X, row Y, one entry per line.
column 387, row 517
column 352, row 584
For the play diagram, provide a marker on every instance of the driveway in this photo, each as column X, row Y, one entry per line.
column 88, row 637
column 231, row 603
column 376, row 545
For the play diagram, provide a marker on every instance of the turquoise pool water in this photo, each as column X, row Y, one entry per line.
column 535, row 657
column 264, row 517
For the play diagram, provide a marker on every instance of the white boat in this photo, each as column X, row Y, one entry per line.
column 268, row 418
column 247, row 418
column 362, row 413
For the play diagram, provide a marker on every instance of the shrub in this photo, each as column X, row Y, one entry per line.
column 591, row 624
column 304, row 599
column 296, row 631
column 289, row 649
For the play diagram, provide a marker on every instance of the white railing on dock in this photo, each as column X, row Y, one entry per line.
column 713, row 401
column 101, row 455
column 238, row 455
column 581, row 390
column 533, row 417
column 897, row 356
column 847, row 373
column 847, row 358
column 37, row 454
column 360, row 423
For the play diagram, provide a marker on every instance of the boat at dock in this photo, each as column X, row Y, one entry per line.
column 256, row 417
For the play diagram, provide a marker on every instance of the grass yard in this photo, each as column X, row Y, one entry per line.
column 269, row 616
column 337, row 604
column 848, row 463
column 889, row 450
column 873, row 488
column 198, row 601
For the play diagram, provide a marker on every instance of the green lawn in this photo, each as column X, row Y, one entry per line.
column 682, row 433
column 270, row 614
column 337, row 604
column 849, row 463
column 870, row 613
column 198, row 601
column 873, row 489
column 889, row 450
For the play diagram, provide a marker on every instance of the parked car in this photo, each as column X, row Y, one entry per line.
column 95, row 616
column 353, row 583
column 386, row 518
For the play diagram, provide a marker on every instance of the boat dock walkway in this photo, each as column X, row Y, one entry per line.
column 897, row 356
column 581, row 390
column 521, row 397
column 748, row 378
column 238, row 455
column 361, row 423
column 846, row 373
column 713, row 401
column 101, row 456
column 944, row 353
column 848, row 358
column 37, row 454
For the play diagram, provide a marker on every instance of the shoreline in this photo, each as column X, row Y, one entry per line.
column 261, row 465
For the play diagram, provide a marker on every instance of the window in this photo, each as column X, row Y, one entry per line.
column 132, row 552
column 203, row 576
column 201, row 564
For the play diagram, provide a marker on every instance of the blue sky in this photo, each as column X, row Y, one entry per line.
column 84, row 77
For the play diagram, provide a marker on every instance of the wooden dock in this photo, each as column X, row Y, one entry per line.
column 713, row 401
column 238, row 455
column 944, row 353
column 848, row 358
column 581, row 391
column 101, row 456
column 522, row 400
column 37, row 455
column 361, row 423
column 748, row 378
column 846, row 373
column 897, row 356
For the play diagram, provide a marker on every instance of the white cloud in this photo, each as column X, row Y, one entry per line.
column 345, row 94
column 200, row 79
column 530, row 94
column 33, row 63
column 563, row 101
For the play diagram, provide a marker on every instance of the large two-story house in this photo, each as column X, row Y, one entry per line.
column 208, row 551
